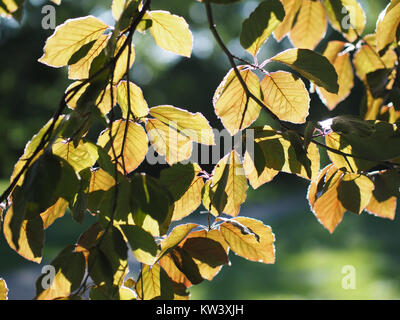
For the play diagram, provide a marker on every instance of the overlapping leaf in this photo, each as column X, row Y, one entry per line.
column 69, row 37
column 310, row 26
column 341, row 62
column 286, row 96
column 231, row 103
column 291, row 8
column 250, row 239
column 312, row 66
column 226, row 191
column 138, row 104
column 260, row 25
column 130, row 144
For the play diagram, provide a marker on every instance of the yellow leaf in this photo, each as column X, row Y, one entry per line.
column 30, row 240
column 103, row 102
column 154, row 283
column 387, row 27
column 250, row 170
column 344, row 69
column 80, row 70
column 227, row 190
column 168, row 142
column 259, row 26
column 81, row 157
column 383, row 209
column 120, row 66
column 8, row 8
column 138, row 104
column 281, row 156
column 101, row 180
column 208, row 250
column 286, row 96
column 187, row 193
column 118, row 7
column 347, row 17
column 69, row 267
column 250, row 239
column 291, row 8
column 171, row 32
column 310, row 26
column 327, row 208
column 56, row 1
column 56, row 211
column 168, row 264
column 230, row 101
column 130, row 144
column 192, row 125
column 3, row 290
column 175, row 237
column 367, row 59
column 355, row 192
column 350, row 164
column 69, row 37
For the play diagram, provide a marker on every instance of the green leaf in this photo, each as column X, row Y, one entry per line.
column 142, row 243
column 107, row 263
column 150, row 197
column 312, row 66
column 260, row 25
column 69, row 271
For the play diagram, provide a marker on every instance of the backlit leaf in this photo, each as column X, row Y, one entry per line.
column 168, row 142
column 192, row 125
column 367, row 59
column 175, row 237
column 326, row 207
column 230, row 101
column 69, row 271
column 30, row 237
column 310, row 26
column 256, row 246
column 56, row 211
column 260, row 25
column 312, row 66
column 354, row 192
column 138, row 104
column 186, row 193
column 69, row 37
column 154, row 283
column 81, row 157
column 387, row 27
column 226, row 191
column 3, row 290
column 130, row 144
column 208, row 250
column 344, row 69
column 291, row 8
column 347, row 17
column 286, row 96
column 171, row 32
column 80, row 70
column 142, row 243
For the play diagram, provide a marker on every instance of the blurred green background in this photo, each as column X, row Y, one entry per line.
column 309, row 261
